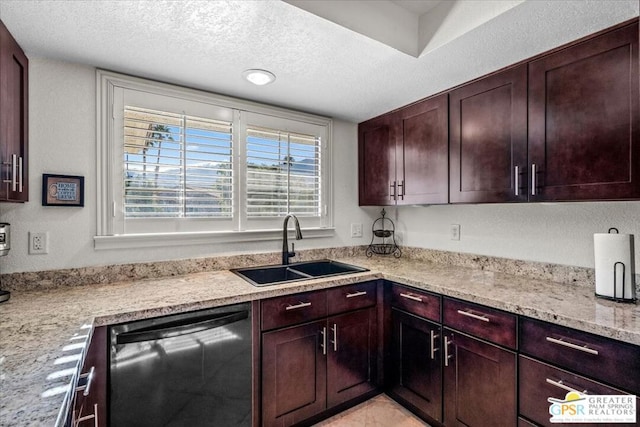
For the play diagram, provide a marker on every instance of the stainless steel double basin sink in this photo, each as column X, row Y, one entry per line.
column 277, row 274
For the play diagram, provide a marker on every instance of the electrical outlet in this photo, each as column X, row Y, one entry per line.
column 455, row 231
column 356, row 230
column 38, row 243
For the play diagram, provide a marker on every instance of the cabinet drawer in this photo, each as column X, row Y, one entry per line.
column 539, row 381
column 292, row 309
column 483, row 322
column 416, row 302
column 604, row 359
column 351, row 297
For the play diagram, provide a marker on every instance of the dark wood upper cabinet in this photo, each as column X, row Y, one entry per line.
column 14, row 110
column 563, row 126
column 403, row 155
column 376, row 162
column 583, row 120
column 488, row 138
column 423, row 146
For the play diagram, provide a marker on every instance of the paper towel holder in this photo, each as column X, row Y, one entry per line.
column 615, row 281
column 619, row 264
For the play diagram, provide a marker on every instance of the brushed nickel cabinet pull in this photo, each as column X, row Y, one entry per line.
column 447, row 356
column 474, row 316
column 297, row 306
column 14, row 172
column 356, row 294
column 434, row 337
column 411, row 297
column 87, row 386
column 20, row 186
column 517, row 180
column 323, row 343
column 335, row 337
column 401, row 190
column 533, row 179
column 392, row 193
column 560, row 384
column 582, row 348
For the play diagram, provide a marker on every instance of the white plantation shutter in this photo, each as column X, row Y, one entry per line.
column 176, row 166
column 182, row 166
column 283, row 173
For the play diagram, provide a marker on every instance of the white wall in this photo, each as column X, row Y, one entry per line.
column 560, row 233
column 62, row 140
column 62, row 127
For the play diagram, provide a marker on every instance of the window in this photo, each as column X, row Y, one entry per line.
column 175, row 161
column 176, row 166
column 283, row 173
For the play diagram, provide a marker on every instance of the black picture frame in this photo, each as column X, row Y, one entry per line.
column 72, row 193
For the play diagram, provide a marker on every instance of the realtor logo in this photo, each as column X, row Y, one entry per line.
column 585, row 408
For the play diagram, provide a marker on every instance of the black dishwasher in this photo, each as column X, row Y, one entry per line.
column 190, row 369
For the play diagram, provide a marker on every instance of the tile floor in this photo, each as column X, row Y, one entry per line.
column 379, row 411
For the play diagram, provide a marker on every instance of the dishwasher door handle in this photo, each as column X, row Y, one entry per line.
column 176, row 329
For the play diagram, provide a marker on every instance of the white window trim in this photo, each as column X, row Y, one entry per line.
column 106, row 238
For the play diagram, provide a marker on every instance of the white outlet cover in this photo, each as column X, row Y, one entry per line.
column 38, row 243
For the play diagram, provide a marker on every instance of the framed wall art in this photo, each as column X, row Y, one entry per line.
column 62, row 190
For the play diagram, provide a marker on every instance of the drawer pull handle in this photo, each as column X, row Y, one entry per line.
column 356, row 294
column 573, row 346
column 323, row 343
column 447, row 356
column 434, row 337
column 411, row 297
column 335, row 337
column 87, row 386
column 561, row 385
column 297, row 306
column 474, row 316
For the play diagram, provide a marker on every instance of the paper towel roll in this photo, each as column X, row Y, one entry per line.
column 611, row 249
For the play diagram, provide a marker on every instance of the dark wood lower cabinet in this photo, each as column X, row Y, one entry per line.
column 293, row 374
column 315, row 366
column 416, row 366
column 351, row 355
column 479, row 383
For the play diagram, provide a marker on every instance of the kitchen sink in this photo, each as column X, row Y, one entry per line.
column 276, row 274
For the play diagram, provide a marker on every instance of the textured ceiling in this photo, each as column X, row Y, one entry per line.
column 321, row 67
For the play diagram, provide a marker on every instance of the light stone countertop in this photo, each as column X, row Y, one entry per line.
column 42, row 333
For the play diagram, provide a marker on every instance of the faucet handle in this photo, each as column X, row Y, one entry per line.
column 293, row 250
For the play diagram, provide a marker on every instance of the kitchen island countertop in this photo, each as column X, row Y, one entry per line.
column 42, row 333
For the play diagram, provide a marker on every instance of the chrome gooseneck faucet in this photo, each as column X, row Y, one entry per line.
column 285, row 242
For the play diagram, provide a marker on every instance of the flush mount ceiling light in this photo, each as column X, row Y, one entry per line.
column 259, row 77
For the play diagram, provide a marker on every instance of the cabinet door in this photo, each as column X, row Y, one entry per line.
column 293, row 374
column 488, row 131
column 583, row 120
column 416, row 367
column 423, row 144
column 479, row 383
column 351, row 355
column 376, row 163
column 14, row 121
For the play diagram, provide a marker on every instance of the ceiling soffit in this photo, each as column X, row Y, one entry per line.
column 411, row 27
